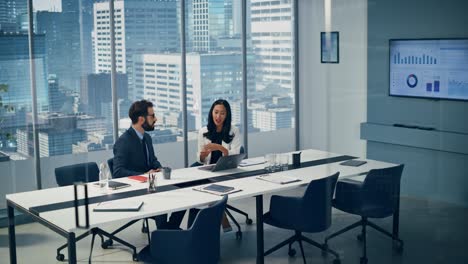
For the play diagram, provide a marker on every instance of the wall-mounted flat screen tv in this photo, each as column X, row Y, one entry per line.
column 429, row 68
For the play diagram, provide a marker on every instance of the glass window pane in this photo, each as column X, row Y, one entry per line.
column 77, row 116
column 214, row 62
column 147, row 35
column 270, row 101
column 16, row 148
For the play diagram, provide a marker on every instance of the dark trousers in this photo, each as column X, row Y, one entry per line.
column 174, row 220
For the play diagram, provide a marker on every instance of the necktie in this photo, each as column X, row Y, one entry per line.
column 143, row 144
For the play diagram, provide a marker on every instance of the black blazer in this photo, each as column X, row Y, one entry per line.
column 128, row 155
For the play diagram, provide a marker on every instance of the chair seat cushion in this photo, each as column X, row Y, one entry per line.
column 268, row 219
column 292, row 224
column 365, row 210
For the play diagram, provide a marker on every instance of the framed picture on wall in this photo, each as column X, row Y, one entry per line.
column 330, row 48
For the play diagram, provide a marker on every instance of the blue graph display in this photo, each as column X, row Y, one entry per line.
column 424, row 59
column 429, row 68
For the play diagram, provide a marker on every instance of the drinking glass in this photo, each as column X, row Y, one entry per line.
column 284, row 162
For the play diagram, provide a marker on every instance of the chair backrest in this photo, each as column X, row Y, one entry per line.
column 317, row 204
column 110, row 163
column 206, row 233
column 381, row 187
column 82, row 172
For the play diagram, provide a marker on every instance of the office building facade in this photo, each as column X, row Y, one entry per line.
column 96, row 90
column 272, row 33
column 15, row 70
column 56, row 97
column 141, row 26
column 212, row 19
column 272, row 119
column 209, row 77
column 69, row 43
column 10, row 11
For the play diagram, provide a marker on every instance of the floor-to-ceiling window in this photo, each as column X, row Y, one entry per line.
column 214, row 62
column 73, row 69
column 270, row 62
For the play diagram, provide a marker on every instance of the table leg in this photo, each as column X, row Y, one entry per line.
column 396, row 215
column 11, row 234
column 71, row 248
column 260, row 245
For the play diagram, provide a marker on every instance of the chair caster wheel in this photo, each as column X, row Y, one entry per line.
column 359, row 237
column 325, row 250
column 106, row 244
column 248, row 221
column 398, row 246
column 337, row 261
column 363, row 261
column 135, row 257
column 60, row 257
column 144, row 229
column 238, row 235
column 292, row 252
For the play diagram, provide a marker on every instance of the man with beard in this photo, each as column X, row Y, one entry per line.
column 134, row 153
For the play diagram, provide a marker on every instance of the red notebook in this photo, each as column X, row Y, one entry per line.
column 138, row 178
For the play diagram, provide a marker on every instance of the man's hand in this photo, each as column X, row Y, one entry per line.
column 154, row 170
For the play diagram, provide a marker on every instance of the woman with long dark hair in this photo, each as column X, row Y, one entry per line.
column 219, row 138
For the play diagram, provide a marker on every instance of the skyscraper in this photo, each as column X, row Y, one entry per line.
column 9, row 12
column 57, row 134
column 212, row 20
column 209, row 77
column 141, row 26
column 56, row 97
column 82, row 12
column 97, row 90
column 63, row 46
column 14, row 70
column 272, row 34
column 272, row 119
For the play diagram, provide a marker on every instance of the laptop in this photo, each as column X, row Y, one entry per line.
column 225, row 163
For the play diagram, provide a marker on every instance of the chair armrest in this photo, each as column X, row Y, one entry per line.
column 283, row 208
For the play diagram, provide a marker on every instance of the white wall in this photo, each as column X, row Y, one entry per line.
column 333, row 96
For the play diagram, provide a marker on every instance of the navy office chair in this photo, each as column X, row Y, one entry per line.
column 310, row 213
column 200, row 244
column 110, row 163
column 230, row 208
column 377, row 197
column 85, row 172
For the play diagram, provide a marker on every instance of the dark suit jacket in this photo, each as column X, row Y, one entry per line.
column 129, row 158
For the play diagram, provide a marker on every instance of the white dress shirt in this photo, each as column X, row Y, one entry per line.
column 233, row 147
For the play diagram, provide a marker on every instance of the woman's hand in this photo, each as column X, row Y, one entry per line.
column 203, row 154
column 214, row 147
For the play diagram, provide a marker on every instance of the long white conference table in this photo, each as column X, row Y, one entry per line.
column 54, row 207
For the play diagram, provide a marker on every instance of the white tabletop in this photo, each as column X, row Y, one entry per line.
column 181, row 199
column 60, row 194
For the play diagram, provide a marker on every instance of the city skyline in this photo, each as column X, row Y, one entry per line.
column 76, row 59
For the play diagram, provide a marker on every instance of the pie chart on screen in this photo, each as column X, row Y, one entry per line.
column 412, row 80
